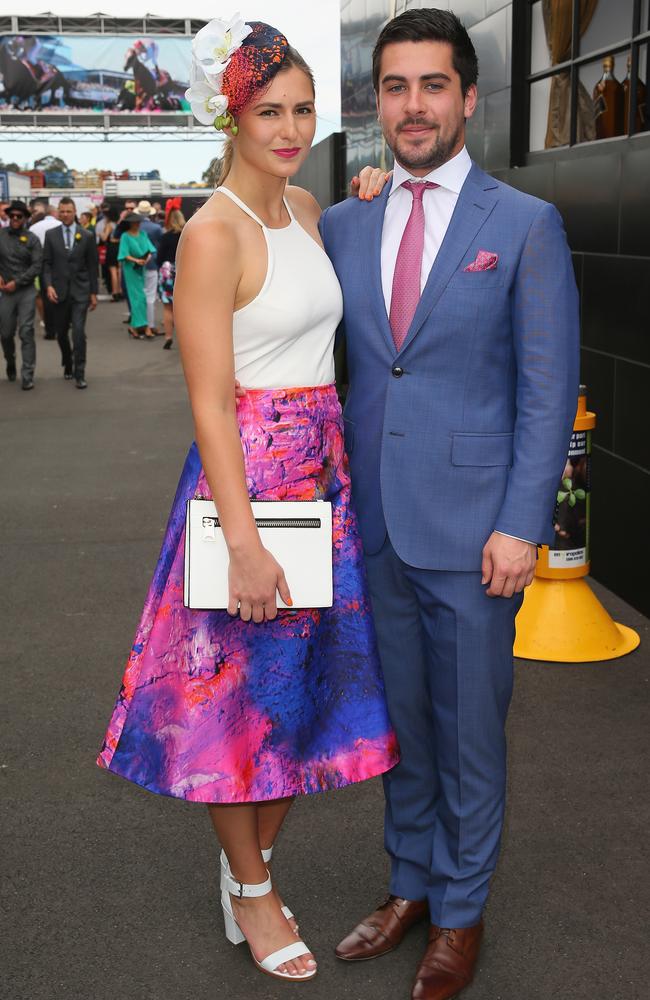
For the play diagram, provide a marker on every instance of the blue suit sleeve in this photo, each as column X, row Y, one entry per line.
column 546, row 331
column 322, row 228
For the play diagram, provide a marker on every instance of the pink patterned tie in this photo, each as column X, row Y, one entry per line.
column 408, row 266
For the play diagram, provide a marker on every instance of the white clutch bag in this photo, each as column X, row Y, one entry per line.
column 297, row 533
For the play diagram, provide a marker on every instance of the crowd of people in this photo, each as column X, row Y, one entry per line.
column 52, row 260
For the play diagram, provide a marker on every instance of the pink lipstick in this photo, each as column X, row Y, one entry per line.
column 287, row 154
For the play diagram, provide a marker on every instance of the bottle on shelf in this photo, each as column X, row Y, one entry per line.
column 609, row 103
column 640, row 119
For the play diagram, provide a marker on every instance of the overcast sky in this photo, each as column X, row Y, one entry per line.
column 312, row 27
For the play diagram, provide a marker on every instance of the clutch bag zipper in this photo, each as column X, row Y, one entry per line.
column 271, row 522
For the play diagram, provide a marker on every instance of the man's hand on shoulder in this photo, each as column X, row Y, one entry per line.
column 508, row 565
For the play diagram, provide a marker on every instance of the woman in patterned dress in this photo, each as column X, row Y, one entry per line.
column 246, row 708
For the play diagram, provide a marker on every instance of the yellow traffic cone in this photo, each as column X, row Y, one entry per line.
column 564, row 622
column 561, row 619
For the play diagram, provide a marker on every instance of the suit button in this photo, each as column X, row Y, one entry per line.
column 397, row 372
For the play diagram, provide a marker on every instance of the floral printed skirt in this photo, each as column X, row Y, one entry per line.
column 213, row 709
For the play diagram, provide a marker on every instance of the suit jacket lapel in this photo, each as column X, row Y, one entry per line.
column 474, row 206
column 370, row 230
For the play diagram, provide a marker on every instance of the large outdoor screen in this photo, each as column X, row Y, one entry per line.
column 102, row 73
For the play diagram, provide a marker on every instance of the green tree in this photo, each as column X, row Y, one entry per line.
column 10, row 166
column 50, row 163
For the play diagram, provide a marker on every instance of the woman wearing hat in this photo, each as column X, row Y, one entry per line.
column 243, row 709
column 134, row 251
column 154, row 231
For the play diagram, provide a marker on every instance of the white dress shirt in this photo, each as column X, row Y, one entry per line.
column 439, row 205
column 40, row 228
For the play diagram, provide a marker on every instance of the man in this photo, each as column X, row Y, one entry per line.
column 70, row 281
column 102, row 219
column 462, row 341
column 20, row 264
column 45, row 218
column 155, row 233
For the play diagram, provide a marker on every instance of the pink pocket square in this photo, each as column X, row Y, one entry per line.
column 485, row 261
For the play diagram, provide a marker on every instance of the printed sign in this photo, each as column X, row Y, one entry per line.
column 93, row 73
column 571, row 546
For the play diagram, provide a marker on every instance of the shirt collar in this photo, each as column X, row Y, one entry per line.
column 451, row 175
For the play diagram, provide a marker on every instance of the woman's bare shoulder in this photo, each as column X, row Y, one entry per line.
column 303, row 201
column 212, row 229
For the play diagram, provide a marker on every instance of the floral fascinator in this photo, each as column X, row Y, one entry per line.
column 231, row 62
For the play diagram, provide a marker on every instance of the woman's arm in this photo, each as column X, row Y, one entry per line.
column 122, row 251
column 209, row 269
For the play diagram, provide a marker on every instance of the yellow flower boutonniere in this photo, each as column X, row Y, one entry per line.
column 77, row 236
column 23, row 239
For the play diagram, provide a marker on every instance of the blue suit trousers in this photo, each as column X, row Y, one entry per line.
column 446, row 653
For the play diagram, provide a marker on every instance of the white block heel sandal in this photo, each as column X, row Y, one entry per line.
column 235, row 935
column 267, row 854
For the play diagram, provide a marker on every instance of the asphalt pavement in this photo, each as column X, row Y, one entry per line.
column 111, row 893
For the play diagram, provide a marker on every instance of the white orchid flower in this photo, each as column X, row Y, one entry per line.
column 197, row 75
column 206, row 104
column 214, row 45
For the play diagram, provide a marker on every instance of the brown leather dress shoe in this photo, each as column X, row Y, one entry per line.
column 448, row 963
column 383, row 930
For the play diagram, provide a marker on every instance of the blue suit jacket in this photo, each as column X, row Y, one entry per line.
column 473, row 435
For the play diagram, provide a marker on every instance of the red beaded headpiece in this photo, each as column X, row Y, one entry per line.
column 253, row 66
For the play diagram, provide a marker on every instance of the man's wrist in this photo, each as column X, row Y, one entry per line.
column 517, row 537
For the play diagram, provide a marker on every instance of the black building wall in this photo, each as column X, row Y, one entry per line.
column 602, row 190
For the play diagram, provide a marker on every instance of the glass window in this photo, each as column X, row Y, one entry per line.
column 580, row 89
column 608, row 23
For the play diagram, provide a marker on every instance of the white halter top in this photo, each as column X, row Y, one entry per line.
column 285, row 337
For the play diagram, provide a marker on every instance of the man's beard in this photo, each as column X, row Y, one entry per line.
column 431, row 154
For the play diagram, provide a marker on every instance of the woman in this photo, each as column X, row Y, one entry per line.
column 111, row 242
column 246, row 708
column 134, row 251
column 167, row 271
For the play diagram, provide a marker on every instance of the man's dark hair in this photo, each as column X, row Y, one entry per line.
column 67, row 201
column 430, row 25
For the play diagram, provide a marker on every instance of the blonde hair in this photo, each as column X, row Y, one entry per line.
column 176, row 220
column 292, row 60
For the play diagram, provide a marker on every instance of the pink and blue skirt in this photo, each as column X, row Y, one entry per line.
column 216, row 710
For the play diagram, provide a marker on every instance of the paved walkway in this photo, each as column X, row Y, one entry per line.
column 111, row 893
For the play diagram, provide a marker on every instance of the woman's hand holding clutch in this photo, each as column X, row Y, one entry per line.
column 254, row 580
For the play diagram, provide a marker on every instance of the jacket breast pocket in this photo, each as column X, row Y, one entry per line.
column 481, row 449
column 466, row 281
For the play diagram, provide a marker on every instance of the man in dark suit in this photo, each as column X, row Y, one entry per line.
column 70, row 281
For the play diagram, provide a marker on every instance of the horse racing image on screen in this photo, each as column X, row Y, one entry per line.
column 40, row 73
